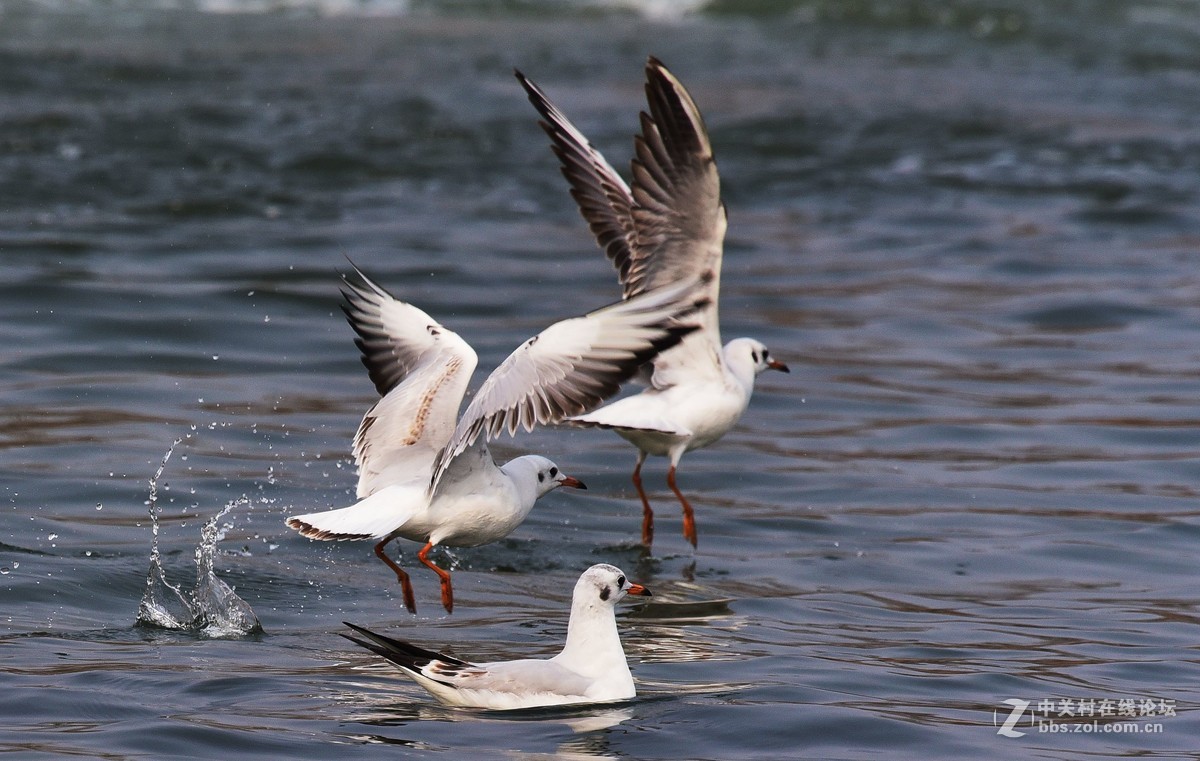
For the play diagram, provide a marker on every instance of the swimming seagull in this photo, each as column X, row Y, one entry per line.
column 590, row 669
column 669, row 226
column 425, row 474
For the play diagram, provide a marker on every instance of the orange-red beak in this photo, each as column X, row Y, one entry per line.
column 777, row 365
column 574, row 483
column 638, row 589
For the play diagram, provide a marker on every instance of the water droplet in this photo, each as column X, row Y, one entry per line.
column 99, row 505
column 51, row 537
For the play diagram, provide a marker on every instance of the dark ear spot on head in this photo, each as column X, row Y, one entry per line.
column 541, row 476
column 605, row 592
column 754, row 354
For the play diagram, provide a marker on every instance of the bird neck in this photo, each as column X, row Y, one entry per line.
column 740, row 369
column 593, row 645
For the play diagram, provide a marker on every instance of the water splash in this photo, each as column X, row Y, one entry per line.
column 163, row 604
column 211, row 608
column 219, row 611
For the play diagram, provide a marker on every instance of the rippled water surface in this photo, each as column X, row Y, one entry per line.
column 971, row 230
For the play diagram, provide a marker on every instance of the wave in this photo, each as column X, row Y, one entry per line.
column 665, row 10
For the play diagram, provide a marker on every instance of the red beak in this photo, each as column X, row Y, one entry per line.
column 574, row 483
column 638, row 589
column 777, row 365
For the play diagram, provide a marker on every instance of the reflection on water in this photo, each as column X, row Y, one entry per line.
column 374, row 706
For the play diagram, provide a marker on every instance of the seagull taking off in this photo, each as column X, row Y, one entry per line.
column 669, row 227
column 590, row 669
column 424, row 473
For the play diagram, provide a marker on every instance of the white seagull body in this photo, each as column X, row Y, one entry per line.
column 590, row 669
column 426, row 475
column 667, row 228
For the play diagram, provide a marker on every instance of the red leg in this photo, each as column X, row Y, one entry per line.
column 447, row 590
column 647, row 512
column 405, row 584
column 689, row 520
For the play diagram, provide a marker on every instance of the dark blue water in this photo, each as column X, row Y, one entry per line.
column 970, row 228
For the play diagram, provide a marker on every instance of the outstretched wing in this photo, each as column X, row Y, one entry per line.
column 604, row 200
column 677, row 213
column 420, row 368
column 670, row 225
column 574, row 365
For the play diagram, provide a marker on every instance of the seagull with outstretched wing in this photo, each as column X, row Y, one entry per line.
column 424, row 472
column 667, row 227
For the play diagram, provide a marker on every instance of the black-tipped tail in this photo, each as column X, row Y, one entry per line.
column 397, row 651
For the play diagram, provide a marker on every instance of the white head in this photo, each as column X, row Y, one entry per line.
column 603, row 586
column 746, row 358
column 536, row 475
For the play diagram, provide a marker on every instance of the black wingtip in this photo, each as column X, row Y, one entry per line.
column 533, row 92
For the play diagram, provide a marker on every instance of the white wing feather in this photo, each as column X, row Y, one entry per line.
column 670, row 226
column 574, row 365
column 421, row 368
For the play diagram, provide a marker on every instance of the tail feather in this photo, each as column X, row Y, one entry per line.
column 307, row 529
column 598, row 419
column 375, row 517
column 399, row 652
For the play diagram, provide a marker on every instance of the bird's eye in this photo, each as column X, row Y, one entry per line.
column 621, row 581
column 766, row 355
column 553, row 472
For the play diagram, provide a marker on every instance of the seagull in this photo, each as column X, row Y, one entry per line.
column 424, row 473
column 669, row 226
column 590, row 669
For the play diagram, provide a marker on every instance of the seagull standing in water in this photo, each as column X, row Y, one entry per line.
column 667, row 228
column 425, row 474
column 590, row 669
